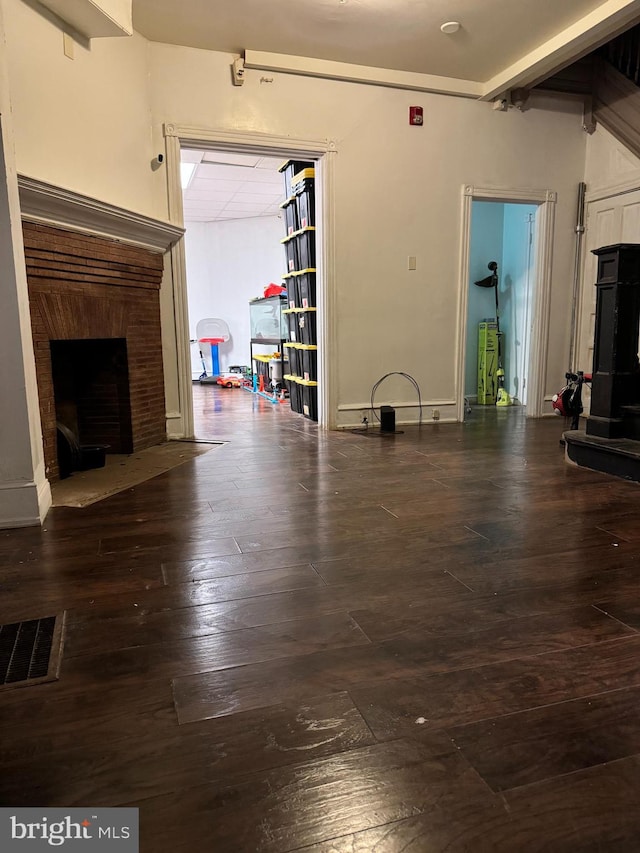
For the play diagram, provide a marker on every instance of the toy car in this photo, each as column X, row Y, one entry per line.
column 230, row 380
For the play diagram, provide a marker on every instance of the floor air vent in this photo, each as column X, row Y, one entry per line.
column 30, row 651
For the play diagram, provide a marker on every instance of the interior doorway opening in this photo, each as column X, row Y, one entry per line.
column 534, row 356
column 247, row 257
column 500, row 304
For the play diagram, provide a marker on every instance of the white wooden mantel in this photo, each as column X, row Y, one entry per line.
column 47, row 204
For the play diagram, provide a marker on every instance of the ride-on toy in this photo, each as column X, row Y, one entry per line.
column 230, row 380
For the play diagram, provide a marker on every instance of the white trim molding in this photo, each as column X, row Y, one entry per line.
column 631, row 185
column 94, row 18
column 260, row 143
column 539, row 348
column 47, row 204
column 182, row 427
column 350, row 414
column 326, row 293
column 547, row 407
column 347, row 72
column 514, row 196
column 545, row 225
column 24, row 504
column 177, row 136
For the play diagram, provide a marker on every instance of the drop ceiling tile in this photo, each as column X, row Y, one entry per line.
column 234, row 215
column 216, row 184
column 270, row 163
column 262, row 176
column 208, row 195
column 230, row 158
column 253, row 209
column 262, row 189
column 254, row 198
column 212, row 172
column 202, row 211
column 188, row 155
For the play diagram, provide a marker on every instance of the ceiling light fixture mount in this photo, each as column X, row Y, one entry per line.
column 450, row 27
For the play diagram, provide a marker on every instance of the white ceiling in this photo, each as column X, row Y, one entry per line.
column 231, row 186
column 394, row 34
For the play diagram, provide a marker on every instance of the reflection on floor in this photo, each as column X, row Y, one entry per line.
column 321, row 641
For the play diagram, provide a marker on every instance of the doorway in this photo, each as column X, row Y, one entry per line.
column 234, row 225
column 247, row 256
column 175, row 312
column 513, row 228
column 501, row 296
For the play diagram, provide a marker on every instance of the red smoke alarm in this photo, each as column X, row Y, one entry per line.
column 415, row 116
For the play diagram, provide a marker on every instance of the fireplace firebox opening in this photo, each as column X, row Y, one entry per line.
column 91, row 394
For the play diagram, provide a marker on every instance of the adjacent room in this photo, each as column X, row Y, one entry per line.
column 251, row 298
column 502, row 279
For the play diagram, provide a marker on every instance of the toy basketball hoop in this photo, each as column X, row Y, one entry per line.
column 213, row 331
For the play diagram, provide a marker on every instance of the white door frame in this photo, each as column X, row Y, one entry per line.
column 545, row 223
column 179, row 136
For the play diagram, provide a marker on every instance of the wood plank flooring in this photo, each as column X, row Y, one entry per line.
column 339, row 643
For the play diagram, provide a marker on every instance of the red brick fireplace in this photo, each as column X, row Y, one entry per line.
column 95, row 317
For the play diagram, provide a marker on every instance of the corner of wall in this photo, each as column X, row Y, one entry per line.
column 24, row 504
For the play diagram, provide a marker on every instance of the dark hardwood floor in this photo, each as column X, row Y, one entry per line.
column 339, row 643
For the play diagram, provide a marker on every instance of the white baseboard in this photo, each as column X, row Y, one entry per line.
column 350, row 415
column 24, row 504
column 175, row 425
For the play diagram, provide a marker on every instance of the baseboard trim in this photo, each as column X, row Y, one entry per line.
column 24, row 504
column 349, row 415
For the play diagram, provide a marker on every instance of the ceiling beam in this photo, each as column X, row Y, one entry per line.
column 604, row 23
column 94, row 18
column 327, row 69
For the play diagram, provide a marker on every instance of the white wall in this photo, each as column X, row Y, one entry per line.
column 397, row 188
column 229, row 263
column 608, row 164
column 83, row 123
column 487, row 226
column 397, row 193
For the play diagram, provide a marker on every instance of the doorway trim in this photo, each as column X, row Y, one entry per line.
column 186, row 136
column 545, row 200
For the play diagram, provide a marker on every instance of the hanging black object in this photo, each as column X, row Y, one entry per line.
column 491, row 281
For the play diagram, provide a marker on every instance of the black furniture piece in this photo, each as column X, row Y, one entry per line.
column 611, row 442
column 614, row 392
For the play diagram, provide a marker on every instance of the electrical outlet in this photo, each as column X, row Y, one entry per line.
column 364, row 416
column 436, row 414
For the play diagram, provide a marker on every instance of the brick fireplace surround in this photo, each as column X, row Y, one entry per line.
column 91, row 288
